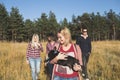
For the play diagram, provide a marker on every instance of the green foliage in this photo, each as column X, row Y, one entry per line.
column 3, row 22
column 28, row 30
column 100, row 27
column 16, row 25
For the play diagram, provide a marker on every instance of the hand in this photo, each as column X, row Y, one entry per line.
column 27, row 61
column 77, row 67
column 61, row 56
column 38, row 44
column 46, row 63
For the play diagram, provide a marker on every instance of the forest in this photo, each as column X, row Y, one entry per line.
column 100, row 27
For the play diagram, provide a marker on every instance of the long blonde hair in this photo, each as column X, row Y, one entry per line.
column 33, row 40
column 66, row 33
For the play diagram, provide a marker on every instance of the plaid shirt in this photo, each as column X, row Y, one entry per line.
column 33, row 52
column 49, row 47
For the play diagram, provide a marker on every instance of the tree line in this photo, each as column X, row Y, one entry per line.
column 100, row 27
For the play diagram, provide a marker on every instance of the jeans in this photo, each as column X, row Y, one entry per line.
column 35, row 67
column 85, row 59
column 50, row 69
column 61, row 78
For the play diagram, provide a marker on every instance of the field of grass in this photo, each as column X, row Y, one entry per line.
column 104, row 62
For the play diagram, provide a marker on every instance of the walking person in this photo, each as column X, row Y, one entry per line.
column 84, row 43
column 66, row 48
column 50, row 46
column 33, row 56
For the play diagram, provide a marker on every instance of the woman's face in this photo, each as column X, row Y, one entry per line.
column 35, row 39
column 49, row 38
column 61, row 38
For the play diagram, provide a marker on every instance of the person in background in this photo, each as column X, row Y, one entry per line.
column 33, row 56
column 50, row 46
column 66, row 48
column 84, row 43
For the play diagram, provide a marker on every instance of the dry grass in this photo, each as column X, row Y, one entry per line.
column 103, row 63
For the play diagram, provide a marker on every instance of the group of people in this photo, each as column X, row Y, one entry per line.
column 81, row 51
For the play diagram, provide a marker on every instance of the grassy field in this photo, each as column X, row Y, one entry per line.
column 104, row 62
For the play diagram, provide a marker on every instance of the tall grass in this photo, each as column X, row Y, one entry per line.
column 103, row 62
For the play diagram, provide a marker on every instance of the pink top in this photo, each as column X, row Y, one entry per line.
column 33, row 52
column 65, row 71
column 50, row 47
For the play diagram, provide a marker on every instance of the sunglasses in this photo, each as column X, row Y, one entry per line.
column 84, row 31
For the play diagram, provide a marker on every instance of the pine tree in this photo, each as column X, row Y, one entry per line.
column 16, row 27
column 3, row 22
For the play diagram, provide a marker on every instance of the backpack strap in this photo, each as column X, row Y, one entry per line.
column 76, row 51
column 75, row 47
column 58, row 47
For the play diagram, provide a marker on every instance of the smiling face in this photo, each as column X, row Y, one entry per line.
column 35, row 38
column 61, row 38
column 64, row 36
